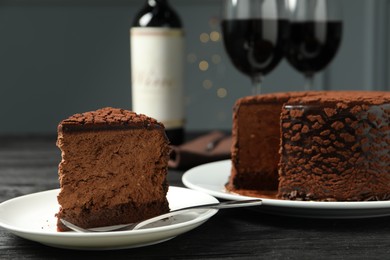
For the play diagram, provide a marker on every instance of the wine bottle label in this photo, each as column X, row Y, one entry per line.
column 157, row 74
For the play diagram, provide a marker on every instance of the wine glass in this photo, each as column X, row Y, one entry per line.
column 254, row 32
column 315, row 35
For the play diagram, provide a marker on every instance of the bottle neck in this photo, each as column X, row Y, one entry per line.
column 157, row 13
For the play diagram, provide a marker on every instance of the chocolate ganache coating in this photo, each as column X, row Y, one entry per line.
column 336, row 148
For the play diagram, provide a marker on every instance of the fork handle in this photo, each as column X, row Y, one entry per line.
column 225, row 205
column 220, row 205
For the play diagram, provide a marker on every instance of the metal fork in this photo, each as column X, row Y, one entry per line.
column 138, row 225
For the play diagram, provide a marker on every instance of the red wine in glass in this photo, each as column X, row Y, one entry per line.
column 255, row 46
column 315, row 35
column 313, row 44
column 253, row 33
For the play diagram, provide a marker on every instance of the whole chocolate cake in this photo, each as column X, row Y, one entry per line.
column 312, row 146
column 113, row 169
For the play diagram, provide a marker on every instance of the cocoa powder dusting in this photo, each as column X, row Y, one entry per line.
column 108, row 118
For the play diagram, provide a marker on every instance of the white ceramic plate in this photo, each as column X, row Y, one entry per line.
column 212, row 177
column 32, row 217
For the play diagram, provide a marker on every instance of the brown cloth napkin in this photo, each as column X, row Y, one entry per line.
column 210, row 147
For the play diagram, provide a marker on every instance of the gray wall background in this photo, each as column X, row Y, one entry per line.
column 60, row 57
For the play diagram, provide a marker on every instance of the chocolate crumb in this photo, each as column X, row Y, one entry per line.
column 337, row 125
column 330, row 111
column 296, row 113
column 305, row 129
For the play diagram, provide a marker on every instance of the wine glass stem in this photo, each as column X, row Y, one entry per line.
column 309, row 82
column 256, row 82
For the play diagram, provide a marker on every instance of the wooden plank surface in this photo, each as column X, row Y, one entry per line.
column 29, row 165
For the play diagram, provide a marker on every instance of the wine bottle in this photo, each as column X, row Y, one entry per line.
column 157, row 46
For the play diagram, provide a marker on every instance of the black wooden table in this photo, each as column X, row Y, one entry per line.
column 29, row 164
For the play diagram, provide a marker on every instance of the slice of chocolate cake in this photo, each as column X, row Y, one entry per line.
column 113, row 169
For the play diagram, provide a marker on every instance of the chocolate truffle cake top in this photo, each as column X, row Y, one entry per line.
column 113, row 118
column 268, row 98
column 345, row 97
column 368, row 97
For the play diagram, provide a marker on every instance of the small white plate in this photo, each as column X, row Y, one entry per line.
column 212, row 177
column 32, row 217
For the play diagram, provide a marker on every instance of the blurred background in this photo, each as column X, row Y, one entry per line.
column 60, row 57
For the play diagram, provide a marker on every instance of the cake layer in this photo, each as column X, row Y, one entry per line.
column 255, row 141
column 105, row 167
column 113, row 215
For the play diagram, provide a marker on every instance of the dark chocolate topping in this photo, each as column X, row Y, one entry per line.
column 108, row 118
column 342, row 98
column 309, row 97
